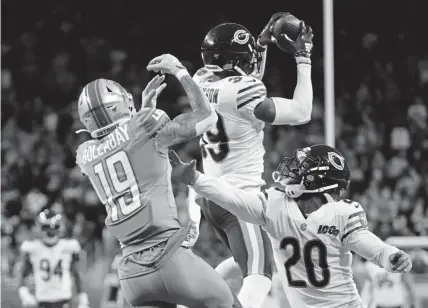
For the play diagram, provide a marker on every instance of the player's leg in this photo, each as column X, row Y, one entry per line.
column 192, row 282
column 252, row 250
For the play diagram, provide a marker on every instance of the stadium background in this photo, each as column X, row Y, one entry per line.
column 51, row 49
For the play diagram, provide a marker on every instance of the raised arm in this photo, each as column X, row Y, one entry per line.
column 189, row 125
column 296, row 111
column 247, row 206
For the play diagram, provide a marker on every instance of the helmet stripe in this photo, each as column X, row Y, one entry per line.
column 103, row 107
column 97, row 106
column 89, row 103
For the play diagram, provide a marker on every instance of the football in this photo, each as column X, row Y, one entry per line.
column 288, row 25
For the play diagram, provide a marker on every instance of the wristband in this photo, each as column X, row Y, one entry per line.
column 303, row 60
column 181, row 73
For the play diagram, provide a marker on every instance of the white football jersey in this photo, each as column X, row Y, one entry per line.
column 233, row 149
column 51, row 268
column 313, row 263
column 387, row 288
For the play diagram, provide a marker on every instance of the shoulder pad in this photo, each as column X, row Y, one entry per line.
column 149, row 121
column 249, row 89
column 72, row 245
column 28, row 246
column 202, row 75
column 353, row 216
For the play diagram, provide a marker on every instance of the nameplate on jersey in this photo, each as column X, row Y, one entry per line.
column 212, row 94
column 109, row 143
column 325, row 229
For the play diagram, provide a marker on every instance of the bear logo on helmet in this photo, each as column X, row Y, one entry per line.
column 241, row 37
column 336, row 160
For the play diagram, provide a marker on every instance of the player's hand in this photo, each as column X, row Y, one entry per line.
column 28, row 300
column 192, row 236
column 265, row 37
column 165, row 64
column 400, row 262
column 302, row 46
column 185, row 173
column 152, row 91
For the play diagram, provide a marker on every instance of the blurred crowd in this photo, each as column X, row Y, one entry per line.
column 381, row 115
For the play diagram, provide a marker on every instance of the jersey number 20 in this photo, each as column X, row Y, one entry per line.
column 218, row 138
column 309, row 265
column 123, row 181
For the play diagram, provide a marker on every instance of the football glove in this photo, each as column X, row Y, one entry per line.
column 152, row 91
column 185, row 173
column 165, row 64
column 265, row 37
column 302, row 46
column 27, row 299
column 192, row 236
column 400, row 262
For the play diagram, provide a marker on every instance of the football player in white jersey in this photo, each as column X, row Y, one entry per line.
column 312, row 231
column 383, row 289
column 233, row 150
column 54, row 262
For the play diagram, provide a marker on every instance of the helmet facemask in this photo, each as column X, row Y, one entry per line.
column 302, row 174
column 50, row 228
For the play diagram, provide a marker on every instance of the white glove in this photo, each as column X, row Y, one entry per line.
column 166, row 64
column 27, row 299
column 152, row 91
column 195, row 218
column 192, row 236
column 83, row 301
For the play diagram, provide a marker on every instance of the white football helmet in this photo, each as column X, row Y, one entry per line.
column 103, row 105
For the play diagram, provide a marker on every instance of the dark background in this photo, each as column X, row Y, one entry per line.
column 52, row 49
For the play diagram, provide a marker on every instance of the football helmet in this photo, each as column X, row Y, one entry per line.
column 230, row 47
column 50, row 224
column 316, row 169
column 103, row 105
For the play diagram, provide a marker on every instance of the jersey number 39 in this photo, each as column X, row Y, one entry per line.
column 216, row 142
column 309, row 265
column 125, row 194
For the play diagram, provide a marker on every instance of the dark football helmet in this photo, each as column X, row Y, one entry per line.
column 230, row 47
column 316, row 169
column 50, row 224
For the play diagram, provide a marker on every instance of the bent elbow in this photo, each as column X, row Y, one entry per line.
column 207, row 123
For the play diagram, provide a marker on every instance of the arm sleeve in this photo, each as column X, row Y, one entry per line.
column 247, row 206
column 260, row 73
column 369, row 246
column 194, row 208
column 298, row 110
column 149, row 121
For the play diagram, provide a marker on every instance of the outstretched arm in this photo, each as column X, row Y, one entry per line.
column 247, row 206
column 189, row 125
column 296, row 111
column 372, row 248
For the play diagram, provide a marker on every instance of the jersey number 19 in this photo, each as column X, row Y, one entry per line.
column 117, row 170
